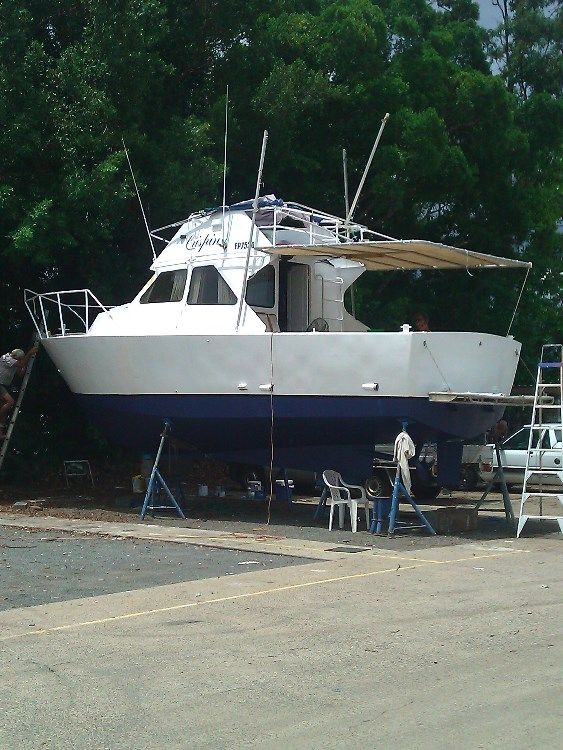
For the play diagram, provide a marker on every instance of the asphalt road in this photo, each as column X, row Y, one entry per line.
column 39, row 567
column 455, row 646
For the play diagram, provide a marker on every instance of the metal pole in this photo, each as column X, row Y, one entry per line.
column 253, row 224
column 366, row 170
column 345, row 174
column 225, row 167
column 60, row 314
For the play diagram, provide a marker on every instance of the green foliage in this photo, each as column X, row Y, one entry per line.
column 471, row 154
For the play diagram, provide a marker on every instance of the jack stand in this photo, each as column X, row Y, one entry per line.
column 398, row 490
column 498, row 476
column 157, row 483
column 320, row 509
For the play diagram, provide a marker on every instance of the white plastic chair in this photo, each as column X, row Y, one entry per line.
column 341, row 495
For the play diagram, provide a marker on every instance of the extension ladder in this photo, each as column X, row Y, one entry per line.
column 544, row 463
column 15, row 413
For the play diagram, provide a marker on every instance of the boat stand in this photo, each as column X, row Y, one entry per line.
column 321, row 506
column 157, row 484
column 499, row 478
column 399, row 491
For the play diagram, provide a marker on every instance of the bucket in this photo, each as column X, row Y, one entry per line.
column 139, row 484
column 202, row 490
column 220, row 491
column 283, row 492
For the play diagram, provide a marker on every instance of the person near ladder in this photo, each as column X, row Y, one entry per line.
column 12, row 363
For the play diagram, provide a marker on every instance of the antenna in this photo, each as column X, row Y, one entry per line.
column 252, row 226
column 345, row 174
column 140, row 201
column 366, row 170
column 225, row 167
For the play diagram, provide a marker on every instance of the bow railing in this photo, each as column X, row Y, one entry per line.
column 67, row 313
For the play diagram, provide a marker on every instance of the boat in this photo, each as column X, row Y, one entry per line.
column 242, row 339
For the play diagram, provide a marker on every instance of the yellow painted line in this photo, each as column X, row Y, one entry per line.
column 485, row 557
column 187, row 605
column 248, row 595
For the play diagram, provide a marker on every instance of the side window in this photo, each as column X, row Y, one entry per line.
column 261, row 288
column 208, row 287
column 167, row 287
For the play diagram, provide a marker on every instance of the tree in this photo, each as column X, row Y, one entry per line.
column 527, row 46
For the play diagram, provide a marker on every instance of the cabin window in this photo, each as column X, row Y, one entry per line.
column 208, row 287
column 167, row 287
column 261, row 288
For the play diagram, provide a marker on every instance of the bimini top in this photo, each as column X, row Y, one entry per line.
column 406, row 255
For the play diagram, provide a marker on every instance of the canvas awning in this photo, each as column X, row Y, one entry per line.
column 405, row 255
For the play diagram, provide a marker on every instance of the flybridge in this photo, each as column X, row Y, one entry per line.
column 296, row 230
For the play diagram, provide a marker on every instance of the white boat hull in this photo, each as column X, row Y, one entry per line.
column 333, row 397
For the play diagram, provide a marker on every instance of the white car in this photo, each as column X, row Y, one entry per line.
column 547, row 447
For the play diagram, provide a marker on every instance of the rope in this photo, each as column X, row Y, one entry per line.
column 271, row 427
column 425, row 344
column 518, row 300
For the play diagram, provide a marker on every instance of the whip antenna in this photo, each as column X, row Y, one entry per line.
column 140, row 201
column 345, row 175
column 225, row 166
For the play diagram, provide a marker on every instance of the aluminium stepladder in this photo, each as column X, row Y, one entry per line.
column 543, row 476
column 17, row 407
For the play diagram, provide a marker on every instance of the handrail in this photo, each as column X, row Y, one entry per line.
column 330, row 223
column 38, row 305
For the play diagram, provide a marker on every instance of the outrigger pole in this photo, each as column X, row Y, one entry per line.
column 140, row 201
column 253, row 224
column 366, row 170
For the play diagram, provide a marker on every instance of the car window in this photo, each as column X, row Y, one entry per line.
column 518, row 441
column 168, row 286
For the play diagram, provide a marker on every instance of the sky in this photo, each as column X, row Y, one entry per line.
column 489, row 13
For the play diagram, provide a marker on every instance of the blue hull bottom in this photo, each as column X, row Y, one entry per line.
column 310, row 432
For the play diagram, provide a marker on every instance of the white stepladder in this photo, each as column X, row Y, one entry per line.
column 543, row 477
